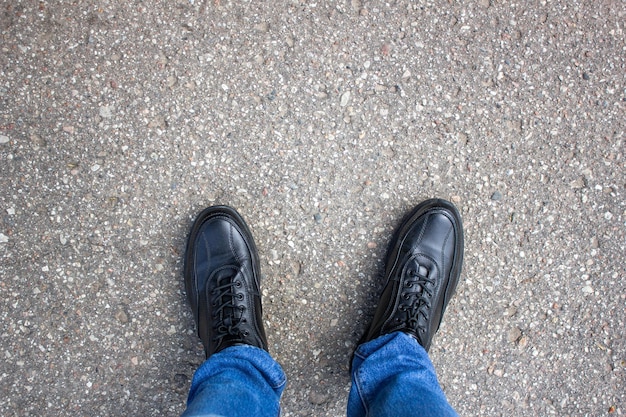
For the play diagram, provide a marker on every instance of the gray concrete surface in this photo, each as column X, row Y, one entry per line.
column 322, row 123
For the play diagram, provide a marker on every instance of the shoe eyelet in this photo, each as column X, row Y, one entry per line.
column 246, row 333
column 240, row 297
column 238, row 284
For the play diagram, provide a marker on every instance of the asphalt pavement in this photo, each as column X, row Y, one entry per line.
column 322, row 123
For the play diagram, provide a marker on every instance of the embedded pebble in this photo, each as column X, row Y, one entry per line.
column 587, row 289
column 522, row 342
column 578, row 183
column 514, row 334
column 121, row 316
column 106, row 112
column 345, row 98
column 37, row 140
column 317, row 398
column 4, row 139
column 262, row 27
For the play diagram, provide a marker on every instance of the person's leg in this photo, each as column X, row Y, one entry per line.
column 393, row 376
column 391, row 372
column 237, row 381
column 222, row 276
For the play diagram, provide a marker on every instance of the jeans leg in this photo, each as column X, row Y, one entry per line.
column 393, row 376
column 238, row 381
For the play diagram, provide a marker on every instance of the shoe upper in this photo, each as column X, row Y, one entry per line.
column 222, row 275
column 422, row 271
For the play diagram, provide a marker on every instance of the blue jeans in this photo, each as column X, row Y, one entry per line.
column 391, row 376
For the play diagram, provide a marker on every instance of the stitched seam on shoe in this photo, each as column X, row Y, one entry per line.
column 421, row 234
column 445, row 241
column 195, row 269
column 231, row 245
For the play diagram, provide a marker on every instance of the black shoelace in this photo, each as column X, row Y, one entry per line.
column 227, row 316
column 416, row 296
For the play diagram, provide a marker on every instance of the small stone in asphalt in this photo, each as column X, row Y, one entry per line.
column 121, row 316
column 514, row 334
column 262, row 27
column 496, row 196
column 106, row 112
column 4, row 139
column 317, row 398
column 317, row 217
column 158, row 121
column 345, row 98
column 37, row 140
column 523, row 342
column 180, row 380
column 578, row 183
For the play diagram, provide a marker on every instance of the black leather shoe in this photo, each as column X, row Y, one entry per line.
column 222, row 275
column 422, row 270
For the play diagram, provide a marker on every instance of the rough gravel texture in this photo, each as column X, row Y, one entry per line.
column 322, row 123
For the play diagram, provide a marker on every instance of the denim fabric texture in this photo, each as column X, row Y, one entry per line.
column 391, row 376
column 239, row 381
